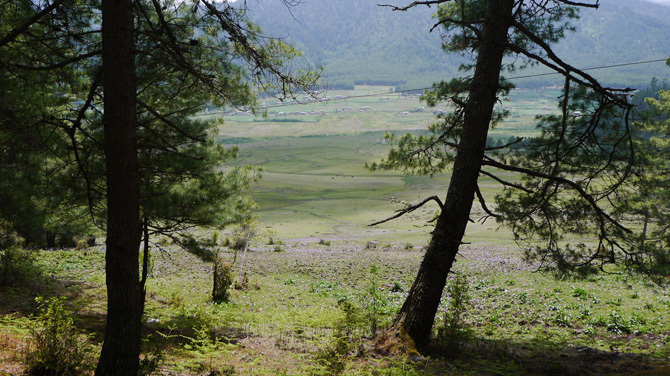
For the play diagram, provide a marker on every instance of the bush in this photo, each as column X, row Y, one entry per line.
column 58, row 350
column 376, row 304
column 455, row 332
column 8, row 236
column 333, row 357
column 223, row 279
column 15, row 263
column 242, row 237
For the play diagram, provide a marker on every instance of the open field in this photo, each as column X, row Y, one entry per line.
column 315, row 182
column 325, row 275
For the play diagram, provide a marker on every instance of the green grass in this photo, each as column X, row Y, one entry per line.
column 522, row 322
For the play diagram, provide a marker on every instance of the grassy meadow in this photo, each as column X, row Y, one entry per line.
column 318, row 285
column 315, row 183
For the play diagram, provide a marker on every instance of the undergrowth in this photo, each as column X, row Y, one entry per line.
column 57, row 349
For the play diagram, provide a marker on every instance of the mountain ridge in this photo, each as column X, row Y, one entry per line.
column 359, row 42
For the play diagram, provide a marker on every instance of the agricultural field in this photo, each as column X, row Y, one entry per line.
column 317, row 286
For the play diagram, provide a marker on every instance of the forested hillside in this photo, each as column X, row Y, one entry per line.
column 357, row 41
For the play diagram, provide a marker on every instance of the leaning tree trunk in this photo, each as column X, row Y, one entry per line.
column 417, row 314
column 121, row 348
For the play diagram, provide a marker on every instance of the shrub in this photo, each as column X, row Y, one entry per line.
column 243, row 284
column 58, row 350
column 223, row 279
column 333, row 357
column 15, row 263
column 375, row 304
column 8, row 236
column 454, row 332
column 242, row 237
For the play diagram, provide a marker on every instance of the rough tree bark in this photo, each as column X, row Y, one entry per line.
column 121, row 348
column 417, row 314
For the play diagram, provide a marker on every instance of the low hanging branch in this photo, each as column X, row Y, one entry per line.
column 409, row 207
column 414, row 4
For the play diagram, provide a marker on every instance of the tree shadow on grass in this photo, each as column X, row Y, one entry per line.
column 17, row 295
column 504, row 357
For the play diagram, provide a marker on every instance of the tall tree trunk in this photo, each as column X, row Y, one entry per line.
column 121, row 348
column 417, row 314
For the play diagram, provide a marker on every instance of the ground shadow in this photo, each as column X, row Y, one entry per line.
column 538, row 357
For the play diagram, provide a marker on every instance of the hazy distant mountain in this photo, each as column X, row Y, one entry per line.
column 357, row 41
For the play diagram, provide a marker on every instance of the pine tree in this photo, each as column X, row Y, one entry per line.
column 568, row 175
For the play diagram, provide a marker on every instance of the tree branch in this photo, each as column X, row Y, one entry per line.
column 482, row 202
column 504, row 182
column 14, row 33
column 487, row 161
column 167, row 121
column 60, row 64
column 584, row 5
column 564, row 68
column 410, row 208
column 427, row 3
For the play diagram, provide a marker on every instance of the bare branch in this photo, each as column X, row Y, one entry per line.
column 577, row 4
column 77, row 125
column 504, row 182
column 482, row 202
column 410, row 208
column 427, row 3
column 492, row 148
